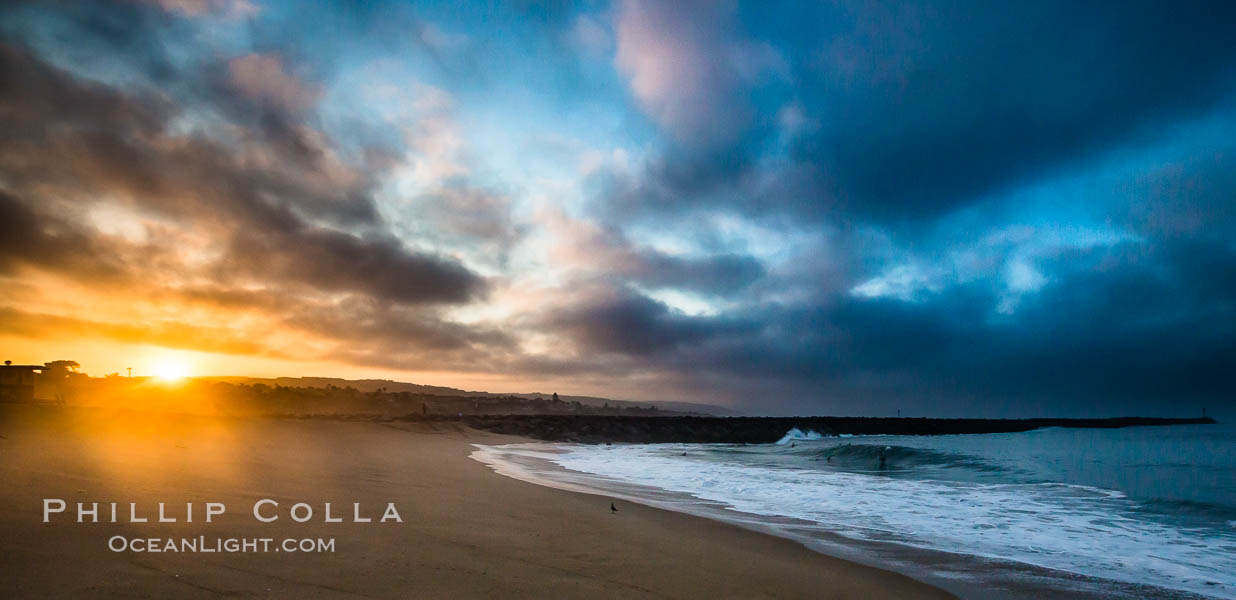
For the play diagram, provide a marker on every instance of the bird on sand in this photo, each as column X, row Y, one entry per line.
column 612, row 509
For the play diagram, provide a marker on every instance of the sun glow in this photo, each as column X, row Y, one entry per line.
column 170, row 370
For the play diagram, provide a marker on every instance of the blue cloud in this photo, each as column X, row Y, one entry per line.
column 988, row 208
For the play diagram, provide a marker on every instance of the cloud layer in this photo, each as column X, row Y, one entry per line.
column 844, row 207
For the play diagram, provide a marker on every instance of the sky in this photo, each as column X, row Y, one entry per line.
column 947, row 208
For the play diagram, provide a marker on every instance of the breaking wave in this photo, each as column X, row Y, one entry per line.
column 796, row 434
column 1050, row 499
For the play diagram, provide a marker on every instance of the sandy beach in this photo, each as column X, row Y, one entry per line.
column 466, row 531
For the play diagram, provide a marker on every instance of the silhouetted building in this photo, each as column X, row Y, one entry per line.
column 17, row 382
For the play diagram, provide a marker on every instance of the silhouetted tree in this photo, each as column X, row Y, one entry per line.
column 65, row 365
column 57, row 374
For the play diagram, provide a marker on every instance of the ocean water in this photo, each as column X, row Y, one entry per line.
column 1153, row 508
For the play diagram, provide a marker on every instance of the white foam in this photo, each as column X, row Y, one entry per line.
column 1066, row 527
column 797, row 434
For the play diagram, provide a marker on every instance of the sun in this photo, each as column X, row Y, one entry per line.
column 171, row 370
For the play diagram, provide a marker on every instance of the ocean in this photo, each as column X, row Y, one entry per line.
column 1134, row 512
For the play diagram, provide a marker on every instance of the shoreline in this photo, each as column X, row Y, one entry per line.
column 466, row 531
column 966, row 575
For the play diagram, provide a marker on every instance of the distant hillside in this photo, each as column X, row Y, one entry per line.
column 318, row 397
column 373, row 385
column 686, row 407
column 363, row 385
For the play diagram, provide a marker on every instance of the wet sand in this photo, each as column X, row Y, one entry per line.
column 466, row 532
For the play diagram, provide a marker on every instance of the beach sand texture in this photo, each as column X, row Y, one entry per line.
column 466, row 533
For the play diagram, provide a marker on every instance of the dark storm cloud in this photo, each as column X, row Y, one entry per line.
column 85, row 137
column 901, row 128
column 623, row 261
column 948, row 101
column 1126, row 329
column 904, row 112
column 326, row 259
column 626, row 322
column 28, row 238
column 1121, row 329
column 423, row 342
column 104, row 34
column 394, row 328
column 714, row 275
column 719, row 274
column 70, row 139
column 1193, row 197
column 1140, row 323
column 861, row 136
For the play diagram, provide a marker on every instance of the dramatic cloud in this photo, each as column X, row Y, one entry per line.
column 263, row 79
column 262, row 196
column 624, row 322
column 958, row 100
column 336, row 261
column 690, row 70
column 247, row 208
column 848, row 207
column 910, row 111
column 593, row 251
column 168, row 334
column 198, row 8
column 1078, row 342
column 1190, row 198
